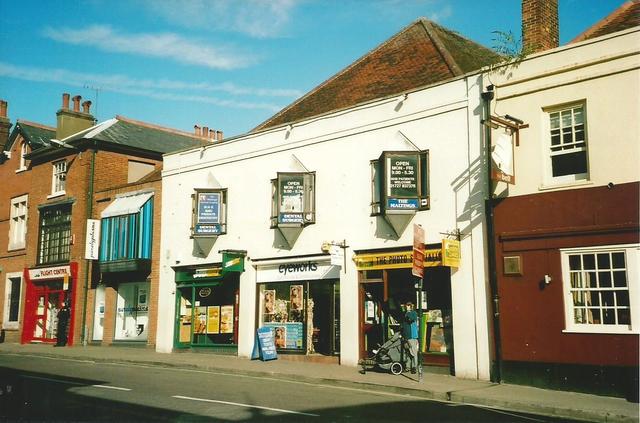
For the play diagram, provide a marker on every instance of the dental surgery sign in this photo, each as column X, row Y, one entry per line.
column 401, row 182
column 208, row 213
column 291, row 198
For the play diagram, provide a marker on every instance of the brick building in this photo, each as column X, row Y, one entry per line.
column 61, row 173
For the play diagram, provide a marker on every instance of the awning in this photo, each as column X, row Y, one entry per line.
column 126, row 205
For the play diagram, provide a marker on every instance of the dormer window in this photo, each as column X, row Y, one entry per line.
column 59, row 180
column 23, row 152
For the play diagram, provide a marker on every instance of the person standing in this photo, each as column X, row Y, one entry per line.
column 410, row 333
column 63, row 323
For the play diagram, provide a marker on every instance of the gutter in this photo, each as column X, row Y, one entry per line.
column 496, row 370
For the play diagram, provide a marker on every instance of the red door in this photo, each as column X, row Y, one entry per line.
column 49, row 301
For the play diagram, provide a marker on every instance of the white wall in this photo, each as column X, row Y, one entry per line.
column 339, row 147
column 604, row 74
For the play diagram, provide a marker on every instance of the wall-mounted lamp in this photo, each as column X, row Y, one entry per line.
column 514, row 119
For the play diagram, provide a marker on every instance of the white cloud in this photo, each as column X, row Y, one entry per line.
column 161, row 45
column 256, row 18
column 164, row 89
column 441, row 14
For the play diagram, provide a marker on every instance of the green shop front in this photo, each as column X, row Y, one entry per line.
column 207, row 304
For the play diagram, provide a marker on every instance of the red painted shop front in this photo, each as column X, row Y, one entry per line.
column 47, row 288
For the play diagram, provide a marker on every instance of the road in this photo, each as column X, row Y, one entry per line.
column 48, row 389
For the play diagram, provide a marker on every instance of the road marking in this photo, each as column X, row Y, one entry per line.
column 117, row 388
column 53, row 358
column 237, row 404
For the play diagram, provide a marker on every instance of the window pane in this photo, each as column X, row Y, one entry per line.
column 589, row 261
column 618, row 260
column 604, row 279
column 554, row 120
column 624, row 317
column 622, row 298
column 595, row 317
column 607, row 298
column 578, row 315
column 575, row 262
column 578, row 115
column 566, row 118
column 620, row 279
column 604, row 261
column 576, row 280
column 555, row 137
column 609, row 316
column 592, row 280
column 578, row 298
column 569, row 164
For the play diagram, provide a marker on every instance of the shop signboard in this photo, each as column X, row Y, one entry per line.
column 49, row 273
column 402, row 182
column 397, row 260
column 92, row 241
column 291, row 207
column 208, row 212
column 418, row 251
column 502, row 159
column 451, row 252
column 265, row 346
column 309, row 269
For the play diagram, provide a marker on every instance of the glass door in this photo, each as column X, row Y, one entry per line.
column 46, row 318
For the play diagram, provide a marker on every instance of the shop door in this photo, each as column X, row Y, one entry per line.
column 326, row 318
column 374, row 317
column 49, row 302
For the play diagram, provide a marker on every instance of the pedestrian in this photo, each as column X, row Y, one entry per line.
column 63, row 323
column 410, row 334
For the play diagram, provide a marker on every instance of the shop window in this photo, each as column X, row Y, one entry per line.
column 567, row 154
column 304, row 316
column 132, row 312
column 400, row 182
column 55, row 234
column 293, row 199
column 12, row 301
column 127, row 236
column 59, row 179
column 209, row 212
column 601, row 289
column 18, row 223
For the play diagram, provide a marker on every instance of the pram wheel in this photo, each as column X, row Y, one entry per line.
column 396, row 368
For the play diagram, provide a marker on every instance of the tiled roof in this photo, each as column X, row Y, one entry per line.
column 125, row 132
column 624, row 17
column 36, row 135
column 423, row 53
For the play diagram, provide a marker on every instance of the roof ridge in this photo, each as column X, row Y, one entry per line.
column 158, row 127
column 604, row 21
column 339, row 73
column 437, row 42
column 37, row 125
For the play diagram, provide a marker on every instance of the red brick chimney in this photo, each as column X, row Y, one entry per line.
column 86, row 105
column 5, row 126
column 65, row 101
column 539, row 25
column 197, row 130
column 76, row 103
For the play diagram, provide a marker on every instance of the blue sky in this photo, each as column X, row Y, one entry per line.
column 225, row 64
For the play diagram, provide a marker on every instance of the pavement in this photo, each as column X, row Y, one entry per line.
column 570, row 405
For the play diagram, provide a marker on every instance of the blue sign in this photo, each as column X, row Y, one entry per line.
column 213, row 229
column 265, row 345
column 402, row 204
column 291, row 218
column 208, row 207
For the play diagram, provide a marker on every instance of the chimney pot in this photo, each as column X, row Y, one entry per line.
column 3, row 109
column 205, row 131
column 212, row 134
column 76, row 103
column 65, row 100
column 219, row 137
column 86, row 106
column 196, row 130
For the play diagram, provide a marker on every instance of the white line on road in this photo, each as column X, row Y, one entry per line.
column 237, row 404
column 53, row 358
column 117, row 388
column 68, row 382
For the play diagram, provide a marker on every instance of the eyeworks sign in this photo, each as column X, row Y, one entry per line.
column 402, row 181
column 291, row 188
column 209, row 213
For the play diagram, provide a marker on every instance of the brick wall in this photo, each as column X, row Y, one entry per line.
column 539, row 25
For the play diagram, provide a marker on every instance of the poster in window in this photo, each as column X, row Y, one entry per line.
column 280, row 336
column 213, row 319
column 291, row 198
column 226, row 319
column 436, row 340
column 402, row 175
column 201, row 320
column 295, row 295
column 208, row 207
column 269, row 301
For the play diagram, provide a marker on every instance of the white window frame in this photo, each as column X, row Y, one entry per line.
column 18, row 222
column 632, row 263
column 22, row 164
column 6, row 323
column 576, row 178
column 59, row 177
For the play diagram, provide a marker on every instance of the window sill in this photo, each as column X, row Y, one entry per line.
column 13, row 248
column 559, row 185
column 11, row 326
column 602, row 331
column 56, row 194
column 20, row 170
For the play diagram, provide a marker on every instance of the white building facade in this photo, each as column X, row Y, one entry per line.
column 247, row 224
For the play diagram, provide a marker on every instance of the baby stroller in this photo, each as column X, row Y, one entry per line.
column 393, row 355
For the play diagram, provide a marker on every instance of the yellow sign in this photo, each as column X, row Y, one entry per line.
column 451, row 252
column 396, row 260
column 207, row 273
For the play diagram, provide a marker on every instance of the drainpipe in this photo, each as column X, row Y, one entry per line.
column 87, row 261
column 496, row 373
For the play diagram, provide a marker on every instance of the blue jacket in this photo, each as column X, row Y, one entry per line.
column 410, row 325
